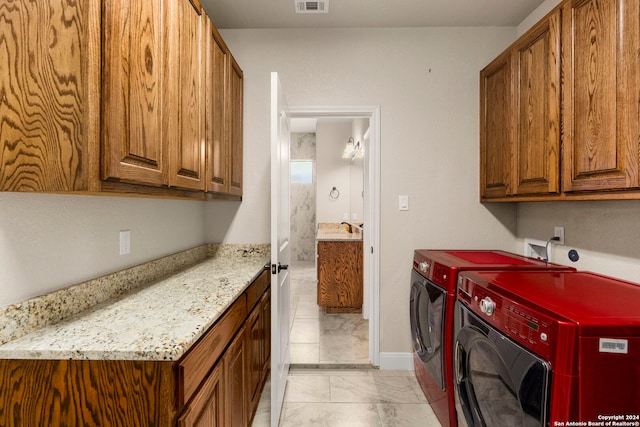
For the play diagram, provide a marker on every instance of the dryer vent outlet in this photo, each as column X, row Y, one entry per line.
column 535, row 248
column 320, row 6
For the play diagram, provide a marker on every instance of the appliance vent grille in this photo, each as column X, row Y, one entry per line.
column 309, row 6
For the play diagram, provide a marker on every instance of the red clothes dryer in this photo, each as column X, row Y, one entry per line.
column 432, row 301
column 547, row 349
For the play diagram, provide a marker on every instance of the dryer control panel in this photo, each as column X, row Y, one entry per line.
column 531, row 329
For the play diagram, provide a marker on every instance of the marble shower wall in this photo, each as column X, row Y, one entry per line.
column 303, row 201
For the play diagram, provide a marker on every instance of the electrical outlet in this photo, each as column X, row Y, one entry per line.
column 559, row 233
column 125, row 242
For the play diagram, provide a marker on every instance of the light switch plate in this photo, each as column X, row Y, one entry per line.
column 403, row 202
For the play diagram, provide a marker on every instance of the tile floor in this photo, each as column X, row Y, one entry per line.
column 323, row 339
column 330, row 388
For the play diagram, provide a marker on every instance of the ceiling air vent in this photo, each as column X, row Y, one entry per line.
column 307, row 6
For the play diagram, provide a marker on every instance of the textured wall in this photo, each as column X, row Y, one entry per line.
column 303, row 202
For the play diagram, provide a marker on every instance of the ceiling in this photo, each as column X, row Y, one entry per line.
column 227, row 14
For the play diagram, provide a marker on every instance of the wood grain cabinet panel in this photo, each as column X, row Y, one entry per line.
column 187, row 143
column 537, row 109
column 236, row 103
column 134, row 84
column 496, row 127
column 600, row 87
column 340, row 276
column 208, row 406
column 217, row 96
column 47, row 95
column 236, row 382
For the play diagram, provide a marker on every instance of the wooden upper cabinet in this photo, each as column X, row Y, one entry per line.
column 48, row 106
column 496, row 127
column 187, row 142
column 217, row 76
column 236, row 89
column 537, row 108
column 134, row 83
column 600, row 91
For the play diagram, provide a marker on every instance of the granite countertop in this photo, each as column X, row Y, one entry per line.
column 335, row 231
column 158, row 321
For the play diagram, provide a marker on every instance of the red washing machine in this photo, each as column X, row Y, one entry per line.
column 432, row 302
column 547, row 349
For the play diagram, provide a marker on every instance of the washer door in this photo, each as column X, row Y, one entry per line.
column 499, row 383
column 427, row 303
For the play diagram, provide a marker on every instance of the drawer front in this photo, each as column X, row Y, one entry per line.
column 195, row 365
column 257, row 288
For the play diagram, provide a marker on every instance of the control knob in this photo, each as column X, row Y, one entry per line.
column 424, row 267
column 487, row 306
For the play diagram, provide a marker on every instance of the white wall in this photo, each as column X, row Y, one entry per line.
column 426, row 83
column 49, row 242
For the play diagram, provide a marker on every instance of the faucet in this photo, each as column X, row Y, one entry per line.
column 349, row 227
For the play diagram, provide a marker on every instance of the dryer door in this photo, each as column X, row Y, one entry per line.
column 498, row 382
column 427, row 303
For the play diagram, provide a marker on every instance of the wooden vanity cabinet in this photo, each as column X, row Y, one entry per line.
column 340, row 276
column 600, row 87
column 115, row 100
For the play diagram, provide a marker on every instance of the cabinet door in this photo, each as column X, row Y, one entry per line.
column 266, row 317
column 234, row 361
column 496, row 129
column 46, row 99
column 207, row 407
column 340, row 275
column 255, row 338
column 217, row 76
column 235, row 128
column 600, row 108
column 134, row 81
column 187, row 144
column 537, row 97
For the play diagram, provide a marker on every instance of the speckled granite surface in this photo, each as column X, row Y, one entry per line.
column 129, row 319
column 336, row 231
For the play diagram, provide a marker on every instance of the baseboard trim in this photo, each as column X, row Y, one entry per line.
column 396, row 361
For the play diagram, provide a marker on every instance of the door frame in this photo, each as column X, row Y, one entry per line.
column 371, row 244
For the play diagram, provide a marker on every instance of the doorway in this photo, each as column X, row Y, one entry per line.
column 319, row 338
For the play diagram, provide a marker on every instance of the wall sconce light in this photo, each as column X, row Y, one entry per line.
column 352, row 150
column 349, row 149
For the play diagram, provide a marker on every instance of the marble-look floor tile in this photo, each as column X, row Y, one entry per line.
column 308, row 389
column 330, row 415
column 407, row 415
column 262, row 418
column 300, row 353
column 345, row 349
column 307, row 309
column 305, row 331
column 378, row 389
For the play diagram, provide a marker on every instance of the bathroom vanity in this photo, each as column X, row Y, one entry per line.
column 340, row 268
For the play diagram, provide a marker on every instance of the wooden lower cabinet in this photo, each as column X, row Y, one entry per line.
column 208, row 387
column 340, row 276
column 208, row 407
column 235, row 377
